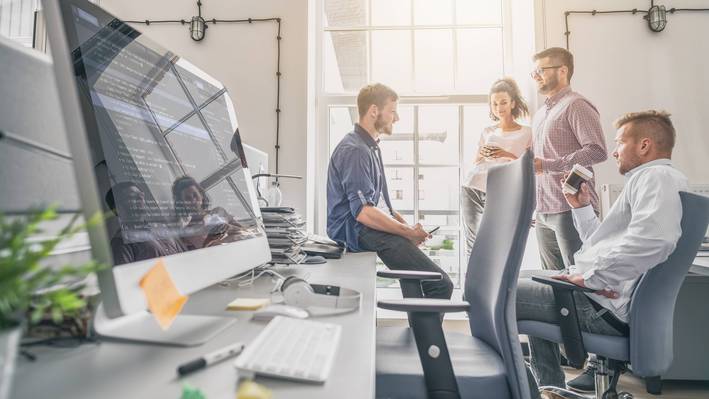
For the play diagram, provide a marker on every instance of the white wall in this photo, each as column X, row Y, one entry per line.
column 622, row 66
column 243, row 57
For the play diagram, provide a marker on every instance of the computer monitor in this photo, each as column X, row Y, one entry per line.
column 154, row 139
column 258, row 164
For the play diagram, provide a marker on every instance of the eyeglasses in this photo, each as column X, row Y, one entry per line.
column 539, row 71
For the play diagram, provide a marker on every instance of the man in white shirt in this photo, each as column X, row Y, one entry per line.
column 639, row 232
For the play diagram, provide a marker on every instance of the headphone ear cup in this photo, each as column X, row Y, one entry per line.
column 296, row 291
column 288, row 281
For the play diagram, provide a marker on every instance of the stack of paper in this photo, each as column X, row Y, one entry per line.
column 704, row 248
column 285, row 229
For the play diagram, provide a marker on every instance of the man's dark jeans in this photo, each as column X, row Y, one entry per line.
column 399, row 253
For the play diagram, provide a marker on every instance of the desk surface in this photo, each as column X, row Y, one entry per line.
column 126, row 370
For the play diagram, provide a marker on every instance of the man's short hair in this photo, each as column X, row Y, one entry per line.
column 374, row 94
column 559, row 56
column 653, row 124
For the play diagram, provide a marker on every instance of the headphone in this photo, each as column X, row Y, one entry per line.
column 319, row 299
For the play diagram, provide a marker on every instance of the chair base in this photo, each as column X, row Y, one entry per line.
column 553, row 392
column 605, row 385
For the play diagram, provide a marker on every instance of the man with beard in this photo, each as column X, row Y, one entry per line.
column 640, row 232
column 359, row 212
column 138, row 238
column 567, row 131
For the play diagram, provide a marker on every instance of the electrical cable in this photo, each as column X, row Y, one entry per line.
column 634, row 11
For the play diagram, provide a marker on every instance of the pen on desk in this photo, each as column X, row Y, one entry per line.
column 210, row 358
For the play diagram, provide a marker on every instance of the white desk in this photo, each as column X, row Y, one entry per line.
column 126, row 370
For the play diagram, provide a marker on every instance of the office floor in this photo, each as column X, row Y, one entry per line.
column 628, row 383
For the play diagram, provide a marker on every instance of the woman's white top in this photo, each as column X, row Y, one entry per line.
column 514, row 142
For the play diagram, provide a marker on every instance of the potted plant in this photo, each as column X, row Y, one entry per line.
column 29, row 289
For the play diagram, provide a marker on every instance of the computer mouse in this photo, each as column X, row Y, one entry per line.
column 271, row 311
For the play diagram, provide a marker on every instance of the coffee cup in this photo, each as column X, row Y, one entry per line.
column 573, row 181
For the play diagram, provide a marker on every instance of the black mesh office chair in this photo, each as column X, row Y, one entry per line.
column 425, row 362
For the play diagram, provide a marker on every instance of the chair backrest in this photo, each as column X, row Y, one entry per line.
column 493, row 267
column 653, row 302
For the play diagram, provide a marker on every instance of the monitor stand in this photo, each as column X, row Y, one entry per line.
column 186, row 330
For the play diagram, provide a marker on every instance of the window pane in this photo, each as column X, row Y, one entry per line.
column 475, row 119
column 166, row 99
column 401, row 188
column 439, row 188
column 434, row 60
column 200, row 85
column 345, row 61
column 391, row 12
column 342, row 120
column 479, row 59
column 439, row 218
column 398, row 149
column 438, row 134
column 17, row 20
column 391, row 59
column 443, row 249
column 221, row 120
column 345, row 13
column 224, row 195
column 433, row 12
column 478, row 12
column 194, row 148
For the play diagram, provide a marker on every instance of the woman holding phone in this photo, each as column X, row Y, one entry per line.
column 504, row 141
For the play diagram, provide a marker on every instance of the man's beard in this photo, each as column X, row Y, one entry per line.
column 550, row 85
column 382, row 127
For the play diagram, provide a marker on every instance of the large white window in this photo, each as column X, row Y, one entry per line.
column 441, row 56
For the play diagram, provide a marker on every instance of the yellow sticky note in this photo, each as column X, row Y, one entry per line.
column 251, row 390
column 248, row 303
column 164, row 301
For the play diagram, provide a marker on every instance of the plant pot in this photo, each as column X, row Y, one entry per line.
column 9, row 346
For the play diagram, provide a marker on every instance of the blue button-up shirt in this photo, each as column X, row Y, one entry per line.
column 355, row 178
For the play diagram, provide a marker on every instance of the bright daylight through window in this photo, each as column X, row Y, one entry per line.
column 441, row 57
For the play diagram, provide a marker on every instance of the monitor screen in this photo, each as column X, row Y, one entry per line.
column 164, row 143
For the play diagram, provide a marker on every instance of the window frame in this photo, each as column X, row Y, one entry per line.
column 325, row 100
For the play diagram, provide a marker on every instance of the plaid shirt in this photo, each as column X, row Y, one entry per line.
column 567, row 130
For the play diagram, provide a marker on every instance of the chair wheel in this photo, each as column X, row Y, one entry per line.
column 625, row 395
column 610, row 395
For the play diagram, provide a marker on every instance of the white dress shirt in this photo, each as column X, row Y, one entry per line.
column 640, row 231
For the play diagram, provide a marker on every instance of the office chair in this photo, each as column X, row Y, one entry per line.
column 648, row 347
column 489, row 363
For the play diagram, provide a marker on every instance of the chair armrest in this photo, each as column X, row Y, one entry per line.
column 409, row 275
column 559, row 284
column 568, row 318
column 417, row 305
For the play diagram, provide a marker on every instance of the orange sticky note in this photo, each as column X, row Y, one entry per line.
column 164, row 301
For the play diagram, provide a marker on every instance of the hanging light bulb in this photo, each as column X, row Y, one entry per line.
column 657, row 18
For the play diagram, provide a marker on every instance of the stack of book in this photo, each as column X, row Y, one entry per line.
column 285, row 229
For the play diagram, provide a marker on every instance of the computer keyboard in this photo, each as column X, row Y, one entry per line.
column 294, row 349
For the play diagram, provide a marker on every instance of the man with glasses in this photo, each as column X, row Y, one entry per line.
column 567, row 131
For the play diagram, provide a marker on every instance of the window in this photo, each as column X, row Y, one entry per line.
column 17, row 20
column 440, row 56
